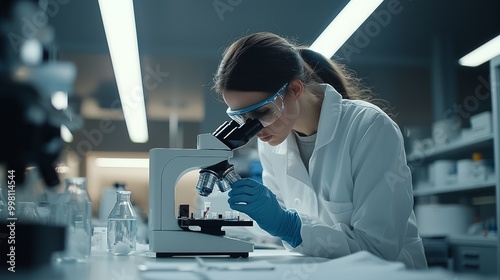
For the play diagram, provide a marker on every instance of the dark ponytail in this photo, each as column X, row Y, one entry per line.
column 324, row 70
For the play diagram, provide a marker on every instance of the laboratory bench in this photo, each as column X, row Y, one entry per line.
column 463, row 253
column 261, row 264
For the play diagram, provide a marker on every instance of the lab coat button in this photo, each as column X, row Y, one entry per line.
column 297, row 201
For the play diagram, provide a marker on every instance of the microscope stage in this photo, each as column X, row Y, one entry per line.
column 212, row 226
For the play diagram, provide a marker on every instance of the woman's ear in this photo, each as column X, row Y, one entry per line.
column 296, row 88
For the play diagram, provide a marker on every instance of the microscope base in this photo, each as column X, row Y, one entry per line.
column 171, row 243
column 231, row 255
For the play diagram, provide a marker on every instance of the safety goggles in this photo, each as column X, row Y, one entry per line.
column 266, row 111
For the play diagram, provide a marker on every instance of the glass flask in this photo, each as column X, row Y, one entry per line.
column 75, row 212
column 122, row 226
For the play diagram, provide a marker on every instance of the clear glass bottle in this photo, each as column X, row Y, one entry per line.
column 108, row 200
column 122, row 226
column 75, row 201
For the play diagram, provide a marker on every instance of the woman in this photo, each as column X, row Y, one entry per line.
column 335, row 178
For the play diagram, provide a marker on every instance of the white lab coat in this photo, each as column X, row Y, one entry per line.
column 357, row 194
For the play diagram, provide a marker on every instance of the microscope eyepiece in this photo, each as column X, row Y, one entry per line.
column 235, row 136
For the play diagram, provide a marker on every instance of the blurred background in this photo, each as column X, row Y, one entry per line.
column 408, row 57
column 407, row 52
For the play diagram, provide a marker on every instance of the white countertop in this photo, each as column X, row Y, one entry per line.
column 266, row 264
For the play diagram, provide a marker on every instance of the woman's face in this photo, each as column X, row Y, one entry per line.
column 276, row 132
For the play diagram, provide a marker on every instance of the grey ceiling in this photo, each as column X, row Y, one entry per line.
column 185, row 39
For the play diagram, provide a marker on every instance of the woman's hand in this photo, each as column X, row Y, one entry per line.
column 260, row 203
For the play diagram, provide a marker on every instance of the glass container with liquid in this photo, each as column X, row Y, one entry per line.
column 122, row 226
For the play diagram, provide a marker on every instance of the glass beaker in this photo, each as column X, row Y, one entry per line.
column 122, row 226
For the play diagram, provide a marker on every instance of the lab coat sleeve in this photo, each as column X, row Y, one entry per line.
column 381, row 204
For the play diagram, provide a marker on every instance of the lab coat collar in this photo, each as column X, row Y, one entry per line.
column 329, row 117
column 328, row 122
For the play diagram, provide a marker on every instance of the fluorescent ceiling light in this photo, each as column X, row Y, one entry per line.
column 482, row 54
column 119, row 24
column 123, row 162
column 343, row 26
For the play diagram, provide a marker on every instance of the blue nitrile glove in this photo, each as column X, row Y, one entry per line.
column 258, row 202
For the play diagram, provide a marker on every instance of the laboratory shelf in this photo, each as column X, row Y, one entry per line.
column 478, row 254
column 462, row 145
column 429, row 190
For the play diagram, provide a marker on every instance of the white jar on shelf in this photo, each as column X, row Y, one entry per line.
column 442, row 173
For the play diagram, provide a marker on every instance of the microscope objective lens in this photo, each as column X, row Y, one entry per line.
column 206, row 183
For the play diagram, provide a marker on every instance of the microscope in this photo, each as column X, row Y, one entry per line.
column 170, row 235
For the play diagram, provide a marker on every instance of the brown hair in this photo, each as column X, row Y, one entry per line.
column 265, row 61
